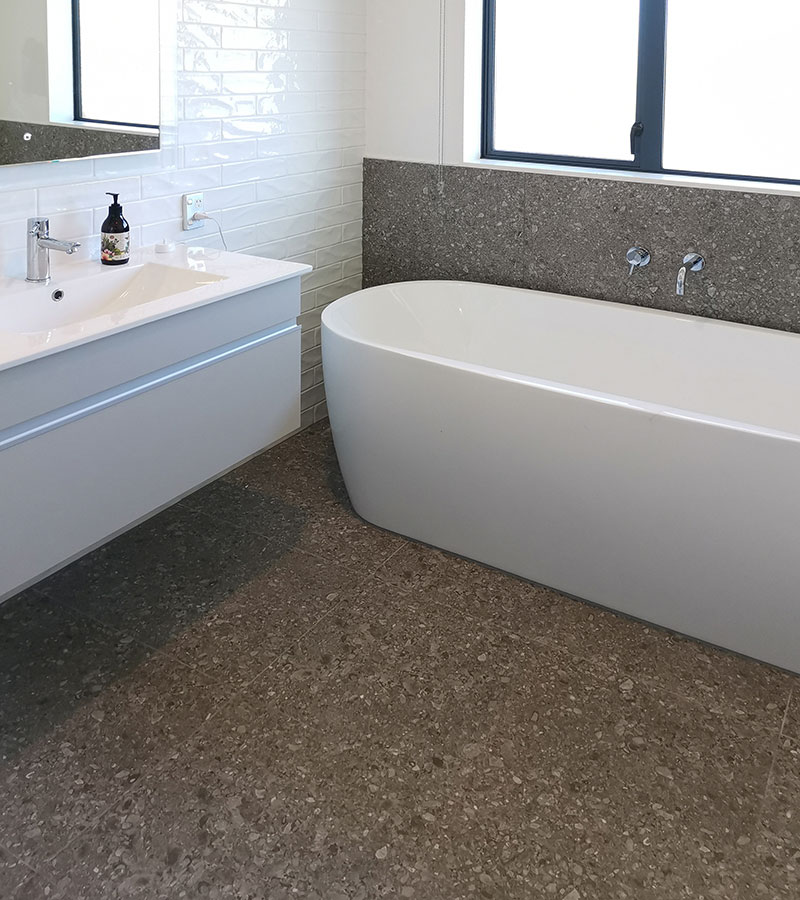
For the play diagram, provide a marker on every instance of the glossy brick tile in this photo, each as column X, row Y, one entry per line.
column 290, row 80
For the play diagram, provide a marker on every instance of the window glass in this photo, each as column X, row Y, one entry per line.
column 119, row 61
column 733, row 70
column 565, row 77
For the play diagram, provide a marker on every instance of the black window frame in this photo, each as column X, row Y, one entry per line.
column 647, row 130
column 77, row 79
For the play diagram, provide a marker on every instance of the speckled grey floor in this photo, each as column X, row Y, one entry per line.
column 257, row 695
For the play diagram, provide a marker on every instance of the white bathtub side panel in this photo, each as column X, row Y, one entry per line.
column 688, row 525
column 97, row 476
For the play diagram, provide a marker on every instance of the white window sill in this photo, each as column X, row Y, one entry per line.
column 695, row 181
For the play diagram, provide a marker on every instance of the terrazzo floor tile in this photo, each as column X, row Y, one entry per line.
column 242, row 635
column 773, row 855
column 158, row 579
column 313, row 488
column 52, row 662
column 32, row 888
column 258, row 695
column 13, row 874
column 55, row 785
column 719, row 680
column 606, row 772
column 402, row 751
column 314, row 442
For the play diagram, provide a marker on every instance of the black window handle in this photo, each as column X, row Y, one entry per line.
column 637, row 130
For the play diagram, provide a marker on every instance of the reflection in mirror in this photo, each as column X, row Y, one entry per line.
column 116, row 68
column 75, row 81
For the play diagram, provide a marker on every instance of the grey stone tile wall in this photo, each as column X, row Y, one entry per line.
column 569, row 235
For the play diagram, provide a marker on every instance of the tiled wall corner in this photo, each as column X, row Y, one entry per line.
column 271, row 128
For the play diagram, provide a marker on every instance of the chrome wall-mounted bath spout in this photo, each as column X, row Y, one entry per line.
column 692, row 262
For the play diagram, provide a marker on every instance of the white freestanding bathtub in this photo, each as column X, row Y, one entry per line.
column 642, row 460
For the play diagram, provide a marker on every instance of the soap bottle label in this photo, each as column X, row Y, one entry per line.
column 115, row 247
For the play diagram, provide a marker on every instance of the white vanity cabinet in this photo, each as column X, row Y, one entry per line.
column 100, row 435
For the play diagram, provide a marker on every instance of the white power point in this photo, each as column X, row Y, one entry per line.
column 192, row 203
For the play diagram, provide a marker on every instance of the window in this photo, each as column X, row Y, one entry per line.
column 116, row 62
column 701, row 87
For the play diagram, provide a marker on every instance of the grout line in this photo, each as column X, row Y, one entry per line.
column 27, row 871
column 763, row 800
column 343, row 595
column 770, row 776
column 390, row 557
column 786, row 711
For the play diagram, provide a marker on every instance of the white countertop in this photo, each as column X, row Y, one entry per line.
column 102, row 304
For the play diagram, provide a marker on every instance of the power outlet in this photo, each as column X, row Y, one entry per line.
column 192, row 203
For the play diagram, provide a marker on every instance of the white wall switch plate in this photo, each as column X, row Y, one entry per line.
column 192, row 203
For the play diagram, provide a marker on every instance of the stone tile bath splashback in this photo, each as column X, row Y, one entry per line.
column 270, row 127
column 569, row 235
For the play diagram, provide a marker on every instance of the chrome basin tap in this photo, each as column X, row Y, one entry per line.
column 39, row 246
column 692, row 262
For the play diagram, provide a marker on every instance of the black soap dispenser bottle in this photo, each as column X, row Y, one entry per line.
column 115, row 240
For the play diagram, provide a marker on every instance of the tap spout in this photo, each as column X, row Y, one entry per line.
column 39, row 246
column 68, row 247
column 692, row 262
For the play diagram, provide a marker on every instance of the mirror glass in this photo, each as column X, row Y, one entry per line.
column 78, row 78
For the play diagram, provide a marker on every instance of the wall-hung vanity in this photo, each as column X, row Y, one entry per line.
column 122, row 390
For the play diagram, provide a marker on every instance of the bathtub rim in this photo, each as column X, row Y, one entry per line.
column 581, row 392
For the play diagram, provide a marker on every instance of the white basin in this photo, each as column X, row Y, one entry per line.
column 36, row 308
column 85, row 301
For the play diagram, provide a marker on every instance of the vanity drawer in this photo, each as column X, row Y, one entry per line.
column 78, row 485
column 46, row 384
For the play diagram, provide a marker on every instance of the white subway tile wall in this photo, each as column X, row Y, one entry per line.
column 271, row 127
